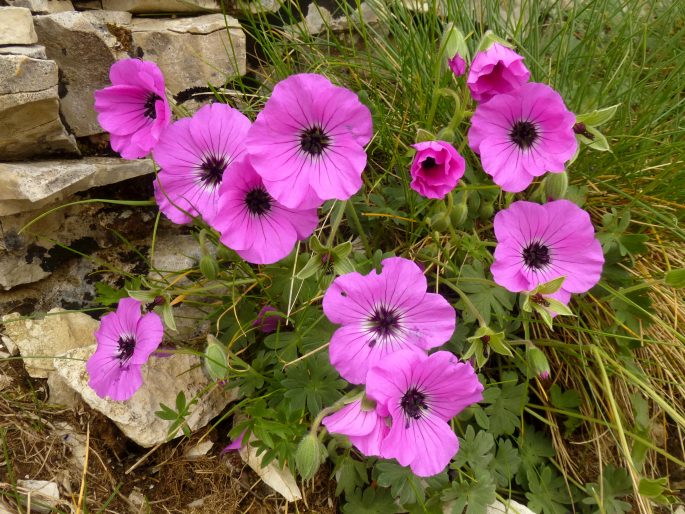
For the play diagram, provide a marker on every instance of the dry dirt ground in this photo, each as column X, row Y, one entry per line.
column 39, row 441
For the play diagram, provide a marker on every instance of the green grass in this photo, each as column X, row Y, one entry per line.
column 625, row 349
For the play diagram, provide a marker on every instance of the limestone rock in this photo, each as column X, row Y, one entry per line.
column 192, row 51
column 40, row 340
column 84, row 45
column 510, row 507
column 162, row 6
column 31, row 185
column 163, row 379
column 279, row 479
column 44, row 6
column 16, row 26
column 59, row 391
column 29, row 109
column 44, row 494
column 33, row 51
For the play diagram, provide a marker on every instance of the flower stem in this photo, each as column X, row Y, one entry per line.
column 339, row 210
column 352, row 213
column 468, row 303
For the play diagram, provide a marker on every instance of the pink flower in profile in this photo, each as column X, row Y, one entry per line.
column 422, row 393
column 125, row 341
column 254, row 224
column 495, row 71
column 365, row 429
column 383, row 313
column 194, row 154
column 457, row 64
column 268, row 319
column 522, row 135
column 538, row 243
column 308, row 141
column 436, row 168
column 236, row 444
column 134, row 109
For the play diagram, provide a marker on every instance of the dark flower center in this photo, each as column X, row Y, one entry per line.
column 258, row 201
column 127, row 343
column 523, row 134
column 412, row 403
column 384, row 323
column 314, row 140
column 150, row 110
column 212, row 170
column 536, row 255
column 428, row 163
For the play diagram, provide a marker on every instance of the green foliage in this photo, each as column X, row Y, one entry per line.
column 505, row 405
column 312, row 383
column 403, row 484
column 548, row 493
column 371, row 501
column 471, row 496
column 616, row 484
column 487, row 298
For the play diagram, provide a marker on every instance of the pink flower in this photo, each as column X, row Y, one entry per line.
column 308, row 141
column 365, row 429
column 125, row 341
column 422, row 393
column 523, row 134
column 194, row 154
column 495, row 71
column 254, row 224
column 134, row 109
column 436, row 168
column 383, row 313
column 235, row 445
column 457, row 65
column 267, row 322
column 538, row 243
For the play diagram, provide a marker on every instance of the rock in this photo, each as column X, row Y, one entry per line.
column 163, row 379
column 74, row 440
column 84, row 45
column 10, row 345
column 162, row 6
column 511, row 507
column 40, row 340
column 29, row 109
column 34, row 51
column 59, row 392
column 319, row 19
column 16, row 26
column 199, row 450
column 279, row 479
column 31, row 185
column 5, row 382
column 44, row 495
column 173, row 253
column 44, row 6
column 192, row 51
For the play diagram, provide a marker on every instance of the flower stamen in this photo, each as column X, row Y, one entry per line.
column 524, row 134
column 258, row 201
column 150, row 106
column 536, row 255
column 314, row 140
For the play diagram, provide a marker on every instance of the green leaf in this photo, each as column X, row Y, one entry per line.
column 653, row 487
column 168, row 316
column 486, row 298
column 215, row 359
column 404, row 485
column 506, row 405
column 534, row 449
column 313, row 265
column 675, row 278
column 567, row 400
column 597, row 117
column 312, row 384
column 475, row 449
column 475, row 495
column 372, row 501
column 349, row 474
column 506, row 463
column 548, row 494
column 616, row 484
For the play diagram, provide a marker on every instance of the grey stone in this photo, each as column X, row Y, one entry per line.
column 162, row 6
column 44, row 494
column 84, row 45
column 192, row 51
column 34, row 51
column 22, row 74
column 279, row 479
column 30, row 185
column 44, row 6
column 163, row 379
column 59, row 392
column 16, row 26
column 31, row 126
column 40, row 340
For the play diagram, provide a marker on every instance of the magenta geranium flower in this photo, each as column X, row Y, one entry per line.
column 268, row 320
column 134, row 109
column 383, row 313
column 125, row 341
column 457, row 64
column 495, row 71
column 523, row 134
column 538, row 243
column 253, row 223
column 422, row 393
column 308, row 141
column 365, row 429
column 436, row 168
column 194, row 154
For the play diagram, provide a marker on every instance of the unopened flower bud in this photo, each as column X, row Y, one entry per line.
column 486, row 211
column 538, row 362
column 440, row 222
column 209, row 267
column 309, row 456
column 556, row 185
column 459, row 214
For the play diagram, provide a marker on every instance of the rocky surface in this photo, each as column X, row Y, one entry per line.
column 33, row 51
column 28, row 186
column 40, row 340
column 192, row 51
column 16, row 26
column 279, row 479
column 163, row 379
column 84, row 45
column 44, row 6
column 162, row 6
column 29, row 109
